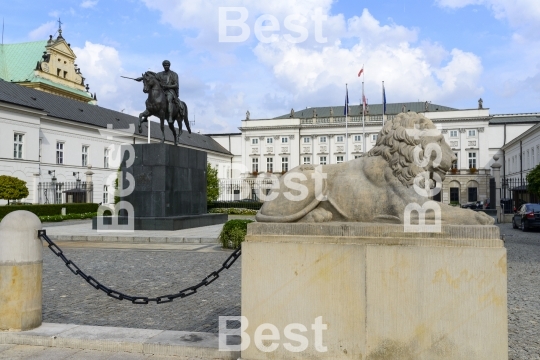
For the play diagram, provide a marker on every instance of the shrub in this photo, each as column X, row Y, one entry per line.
column 233, row 233
column 56, row 218
column 254, row 205
column 212, row 183
column 51, row 209
column 454, row 203
column 12, row 188
column 233, row 211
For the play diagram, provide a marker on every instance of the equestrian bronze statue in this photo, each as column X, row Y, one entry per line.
column 163, row 101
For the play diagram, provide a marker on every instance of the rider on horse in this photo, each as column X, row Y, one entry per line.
column 168, row 80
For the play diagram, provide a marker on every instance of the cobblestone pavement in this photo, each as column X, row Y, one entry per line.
column 523, row 292
column 69, row 299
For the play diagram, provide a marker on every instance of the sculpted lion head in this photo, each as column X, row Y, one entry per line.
column 407, row 134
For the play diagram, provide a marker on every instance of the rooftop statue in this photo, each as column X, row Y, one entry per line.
column 397, row 173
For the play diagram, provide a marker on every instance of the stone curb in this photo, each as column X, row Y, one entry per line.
column 144, row 341
column 136, row 239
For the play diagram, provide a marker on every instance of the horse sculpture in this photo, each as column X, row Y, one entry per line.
column 156, row 105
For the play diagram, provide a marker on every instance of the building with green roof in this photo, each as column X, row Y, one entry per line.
column 46, row 65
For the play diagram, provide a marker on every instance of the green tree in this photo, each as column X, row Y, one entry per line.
column 212, row 183
column 533, row 180
column 12, row 188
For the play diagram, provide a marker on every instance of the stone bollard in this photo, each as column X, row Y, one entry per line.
column 21, row 264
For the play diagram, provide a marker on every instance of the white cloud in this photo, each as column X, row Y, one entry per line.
column 523, row 15
column 516, row 66
column 43, row 31
column 102, row 67
column 89, row 4
column 426, row 72
column 367, row 28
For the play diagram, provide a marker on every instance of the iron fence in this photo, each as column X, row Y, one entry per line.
column 246, row 193
column 514, row 193
column 65, row 192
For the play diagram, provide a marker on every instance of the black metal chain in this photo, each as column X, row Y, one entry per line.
column 138, row 299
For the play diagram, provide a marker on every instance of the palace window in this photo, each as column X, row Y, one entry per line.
column 255, row 165
column 18, row 146
column 85, row 155
column 454, row 195
column 339, row 138
column 285, row 164
column 306, row 140
column 106, row 155
column 59, row 152
column 322, row 160
column 472, row 133
column 472, row 160
column 254, row 141
column 339, row 159
column 269, row 165
column 307, row 159
column 472, row 194
column 453, row 133
column 284, row 140
column 322, row 139
column 269, row 140
column 374, row 137
column 105, row 194
column 357, row 138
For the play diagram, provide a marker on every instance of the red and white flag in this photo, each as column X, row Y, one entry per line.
column 361, row 71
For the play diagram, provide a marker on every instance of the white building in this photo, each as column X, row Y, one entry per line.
column 42, row 132
column 322, row 136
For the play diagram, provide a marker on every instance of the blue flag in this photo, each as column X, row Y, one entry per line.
column 346, row 109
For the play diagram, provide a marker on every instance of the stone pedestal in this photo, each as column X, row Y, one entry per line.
column 21, row 264
column 170, row 188
column 382, row 293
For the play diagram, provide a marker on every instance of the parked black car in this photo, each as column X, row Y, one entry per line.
column 527, row 217
column 473, row 205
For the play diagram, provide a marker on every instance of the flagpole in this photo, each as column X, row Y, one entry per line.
column 346, row 125
column 363, row 119
column 383, row 103
column 148, row 121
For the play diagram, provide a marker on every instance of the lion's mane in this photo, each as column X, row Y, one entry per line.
column 397, row 146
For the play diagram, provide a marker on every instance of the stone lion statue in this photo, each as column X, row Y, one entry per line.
column 406, row 167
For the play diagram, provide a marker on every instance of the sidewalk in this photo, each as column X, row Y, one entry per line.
column 69, row 341
column 83, row 232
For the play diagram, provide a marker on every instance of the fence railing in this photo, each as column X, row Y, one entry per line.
column 243, row 193
column 514, row 193
column 65, row 192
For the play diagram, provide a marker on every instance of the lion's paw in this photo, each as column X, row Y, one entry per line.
column 317, row 215
column 484, row 219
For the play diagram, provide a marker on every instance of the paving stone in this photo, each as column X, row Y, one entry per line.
column 152, row 273
column 69, row 299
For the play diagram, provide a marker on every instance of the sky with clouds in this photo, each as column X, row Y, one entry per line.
column 270, row 56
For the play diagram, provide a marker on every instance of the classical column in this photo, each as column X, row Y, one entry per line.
column 497, row 175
